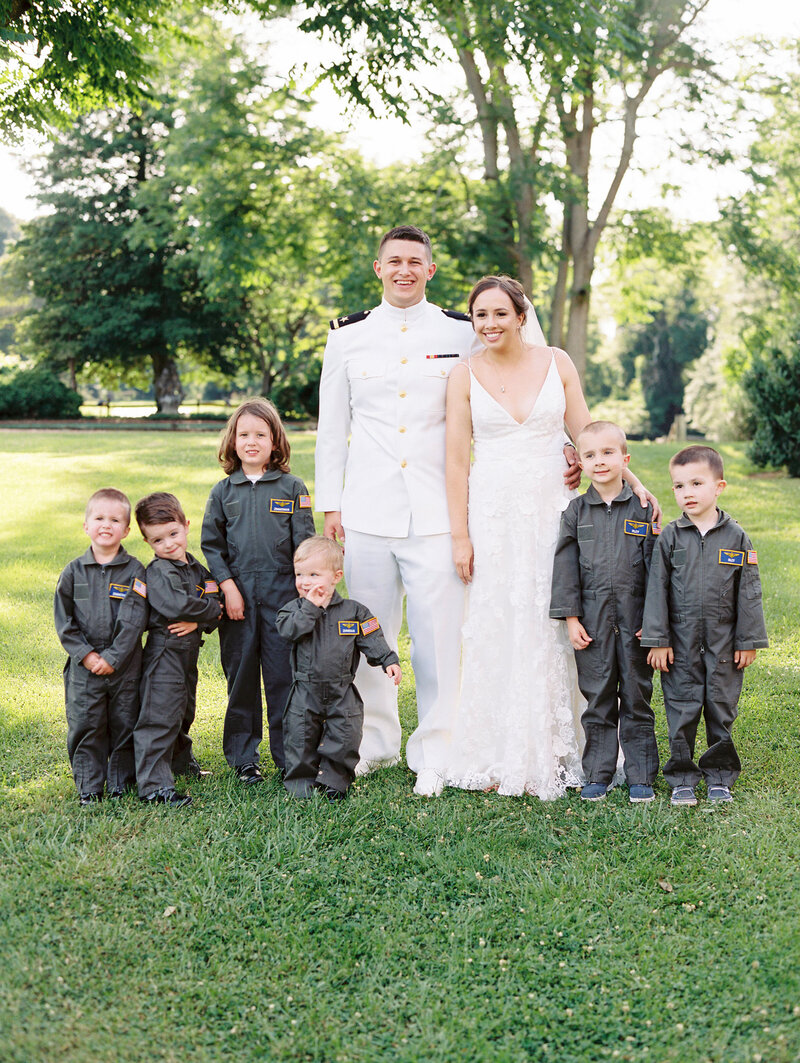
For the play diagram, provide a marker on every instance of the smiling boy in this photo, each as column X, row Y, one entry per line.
column 703, row 619
column 184, row 603
column 599, row 577
column 100, row 613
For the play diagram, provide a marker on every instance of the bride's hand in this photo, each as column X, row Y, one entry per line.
column 463, row 557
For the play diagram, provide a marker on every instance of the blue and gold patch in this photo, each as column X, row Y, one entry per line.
column 349, row 627
column 140, row 587
column 368, row 626
column 635, row 527
column 731, row 557
column 118, row 590
column 281, row 505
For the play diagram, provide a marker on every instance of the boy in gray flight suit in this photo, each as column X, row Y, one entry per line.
column 599, row 577
column 704, row 620
column 324, row 714
column 100, row 614
column 184, row 603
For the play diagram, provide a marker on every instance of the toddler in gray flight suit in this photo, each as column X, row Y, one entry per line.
column 324, row 715
column 184, row 603
column 599, row 579
column 100, row 614
column 704, row 621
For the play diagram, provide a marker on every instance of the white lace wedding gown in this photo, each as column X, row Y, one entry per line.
column 518, row 723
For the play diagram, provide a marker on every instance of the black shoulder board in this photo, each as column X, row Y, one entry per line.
column 350, row 319
column 457, row 315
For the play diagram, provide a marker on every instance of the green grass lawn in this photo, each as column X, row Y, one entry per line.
column 388, row 927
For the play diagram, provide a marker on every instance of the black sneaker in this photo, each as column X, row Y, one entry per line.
column 168, row 796
column 89, row 799
column 249, row 775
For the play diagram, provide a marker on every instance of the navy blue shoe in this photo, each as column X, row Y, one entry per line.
column 594, row 791
column 641, row 792
column 683, row 796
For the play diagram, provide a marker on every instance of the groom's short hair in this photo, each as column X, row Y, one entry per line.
column 407, row 232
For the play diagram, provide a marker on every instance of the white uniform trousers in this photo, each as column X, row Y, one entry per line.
column 378, row 570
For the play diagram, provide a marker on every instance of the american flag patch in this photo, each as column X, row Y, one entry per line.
column 140, row 587
column 304, row 501
column 370, row 625
column 752, row 557
column 210, row 586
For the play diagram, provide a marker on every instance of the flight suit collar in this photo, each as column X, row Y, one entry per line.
column 722, row 518
column 335, row 600
column 238, row 477
column 594, row 499
column 404, row 314
column 121, row 558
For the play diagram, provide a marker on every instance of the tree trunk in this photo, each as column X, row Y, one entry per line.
column 167, row 384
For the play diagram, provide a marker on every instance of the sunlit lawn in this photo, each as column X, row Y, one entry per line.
column 390, row 927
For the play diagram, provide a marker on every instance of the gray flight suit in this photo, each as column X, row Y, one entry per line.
column 102, row 608
column 175, row 591
column 250, row 533
column 324, row 714
column 703, row 600
column 599, row 575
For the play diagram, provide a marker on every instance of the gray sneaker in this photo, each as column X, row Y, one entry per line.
column 719, row 794
column 683, row 796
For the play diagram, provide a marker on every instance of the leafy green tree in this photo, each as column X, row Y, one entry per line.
column 772, row 386
column 59, row 59
column 118, row 291
column 541, row 78
column 762, row 226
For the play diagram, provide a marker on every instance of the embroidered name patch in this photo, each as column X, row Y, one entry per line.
column 140, row 587
column 368, row 626
column 752, row 557
column 731, row 557
column 348, row 627
column 304, row 501
column 118, row 590
column 281, row 505
column 635, row 527
column 210, row 587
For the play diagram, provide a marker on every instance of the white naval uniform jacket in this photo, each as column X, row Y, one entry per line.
column 383, row 385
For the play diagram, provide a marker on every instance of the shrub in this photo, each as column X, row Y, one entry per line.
column 37, row 393
column 772, row 388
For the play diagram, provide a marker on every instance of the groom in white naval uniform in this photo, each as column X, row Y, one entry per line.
column 383, row 385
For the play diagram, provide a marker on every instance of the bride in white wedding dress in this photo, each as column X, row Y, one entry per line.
column 517, row 729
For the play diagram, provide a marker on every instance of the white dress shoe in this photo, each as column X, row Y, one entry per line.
column 429, row 783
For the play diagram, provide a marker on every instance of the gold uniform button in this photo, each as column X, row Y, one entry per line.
column 402, row 428
column 403, row 464
column 402, row 394
column 403, row 361
column 443, row 372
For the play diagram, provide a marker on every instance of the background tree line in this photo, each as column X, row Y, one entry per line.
column 199, row 226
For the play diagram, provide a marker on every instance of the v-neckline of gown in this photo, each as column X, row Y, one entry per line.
column 500, row 406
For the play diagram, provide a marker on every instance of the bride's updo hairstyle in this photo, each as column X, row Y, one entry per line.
column 512, row 288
